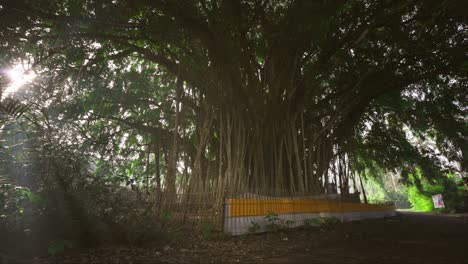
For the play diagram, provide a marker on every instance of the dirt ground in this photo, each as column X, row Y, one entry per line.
column 406, row 238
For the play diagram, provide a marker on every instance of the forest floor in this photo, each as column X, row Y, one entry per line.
column 405, row 238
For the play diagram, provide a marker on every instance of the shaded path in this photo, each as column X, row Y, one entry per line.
column 407, row 238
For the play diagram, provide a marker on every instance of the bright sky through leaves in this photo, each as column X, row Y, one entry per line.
column 18, row 77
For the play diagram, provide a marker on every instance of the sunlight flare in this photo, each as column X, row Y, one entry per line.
column 18, row 77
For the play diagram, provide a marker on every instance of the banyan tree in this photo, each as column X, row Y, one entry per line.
column 256, row 96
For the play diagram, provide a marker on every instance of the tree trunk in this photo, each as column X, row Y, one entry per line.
column 172, row 161
column 362, row 188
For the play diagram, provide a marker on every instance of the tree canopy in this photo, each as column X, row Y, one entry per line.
column 264, row 96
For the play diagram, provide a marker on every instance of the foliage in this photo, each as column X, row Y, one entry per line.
column 19, row 207
column 58, row 247
column 289, row 223
column 399, row 197
column 375, row 192
column 273, row 222
column 254, row 227
column 185, row 82
column 420, row 195
column 138, row 103
column 165, row 217
column 10, row 109
column 380, row 191
column 419, row 202
column 329, row 223
column 416, row 191
column 311, row 222
column 323, row 223
column 208, row 230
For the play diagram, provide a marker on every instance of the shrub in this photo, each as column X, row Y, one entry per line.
column 419, row 201
column 421, row 198
column 17, row 205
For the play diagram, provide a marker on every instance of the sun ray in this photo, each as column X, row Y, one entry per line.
column 18, row 77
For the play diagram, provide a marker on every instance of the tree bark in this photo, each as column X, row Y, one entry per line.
column 362, row 188
column 173, row 157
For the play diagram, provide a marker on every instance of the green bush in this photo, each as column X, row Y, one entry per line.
column 419, row 201
column 421, row 198
column 418, row 191
column 399, row 197
column 17, row 205
column 375, row 192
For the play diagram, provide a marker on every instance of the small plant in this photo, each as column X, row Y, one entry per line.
column 208, row 230
column 166, row 217
column 330, row 223
column 58, row 247
column 289, row 223
column 324, row 224
column 254, row 227
column 273, row 222
column 312, row 222
column 170, row 236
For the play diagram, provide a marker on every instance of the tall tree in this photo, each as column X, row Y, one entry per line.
column 278, row 90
